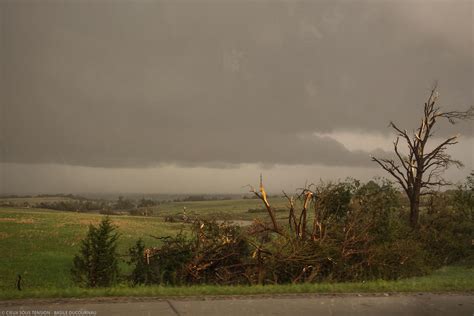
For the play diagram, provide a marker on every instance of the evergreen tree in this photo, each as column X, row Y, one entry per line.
column 96, row 265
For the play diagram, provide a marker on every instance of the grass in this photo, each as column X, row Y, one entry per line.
column 235, row 209
column 226, row 209
column 448, row 279
column 40, row 245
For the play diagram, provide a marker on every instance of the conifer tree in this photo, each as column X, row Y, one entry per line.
column 96, row 265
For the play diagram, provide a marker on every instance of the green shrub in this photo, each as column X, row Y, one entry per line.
column 379, row 201
column 447, row 231
column 463, row 198
column 401, row 258
column 333, row 199
column 142, row 272
column 163, row 265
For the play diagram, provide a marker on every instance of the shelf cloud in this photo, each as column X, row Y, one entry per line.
column 205, row 83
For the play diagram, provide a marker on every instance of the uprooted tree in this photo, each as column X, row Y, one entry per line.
column 421, row 168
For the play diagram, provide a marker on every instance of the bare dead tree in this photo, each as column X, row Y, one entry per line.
column 421, row 169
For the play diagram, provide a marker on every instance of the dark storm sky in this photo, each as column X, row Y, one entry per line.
column 109, row 86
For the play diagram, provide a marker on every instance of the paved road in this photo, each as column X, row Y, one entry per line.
column 299, row 305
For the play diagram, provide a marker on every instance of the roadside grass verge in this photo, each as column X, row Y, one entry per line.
column 447, row 279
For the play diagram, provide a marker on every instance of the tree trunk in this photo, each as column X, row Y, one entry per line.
column 414, row 209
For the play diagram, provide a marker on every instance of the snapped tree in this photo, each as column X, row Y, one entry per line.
column 420, row 169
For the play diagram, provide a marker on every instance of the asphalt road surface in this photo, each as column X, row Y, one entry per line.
column 298, row 305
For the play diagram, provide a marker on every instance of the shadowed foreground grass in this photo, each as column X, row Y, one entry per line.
column 447, row 279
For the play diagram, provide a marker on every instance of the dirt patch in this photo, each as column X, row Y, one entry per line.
column 238, row 222
column 17, row 220
column 7, row 219
column 131, row 225
column 121, row 224
column 4, row 235
column 88, row 222
column 26, row 221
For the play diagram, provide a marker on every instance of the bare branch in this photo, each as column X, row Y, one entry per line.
column 455, row 116
column 389, row 167
column 403, row 134
column 440, row 148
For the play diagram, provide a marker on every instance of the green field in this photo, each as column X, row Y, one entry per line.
column 234, row 209
column 40, row 244
column 226, row 209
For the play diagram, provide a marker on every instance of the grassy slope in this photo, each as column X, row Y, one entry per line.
column 40, row 245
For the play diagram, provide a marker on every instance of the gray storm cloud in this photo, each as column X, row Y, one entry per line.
column 136, row 84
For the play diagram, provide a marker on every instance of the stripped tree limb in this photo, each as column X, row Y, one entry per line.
column 291, row 216
column 262, row 195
